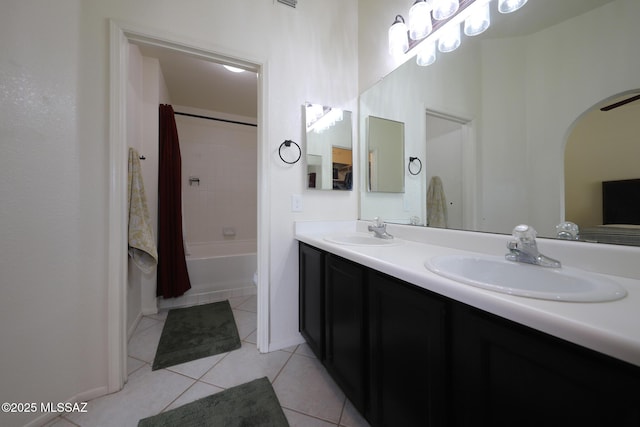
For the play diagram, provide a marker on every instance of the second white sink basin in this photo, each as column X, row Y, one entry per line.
column 499, row 275
column 360, row 239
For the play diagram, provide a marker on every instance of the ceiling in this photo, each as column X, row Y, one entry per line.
column 203, row 84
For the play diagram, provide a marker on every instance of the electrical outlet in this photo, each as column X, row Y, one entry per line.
column 296, row 203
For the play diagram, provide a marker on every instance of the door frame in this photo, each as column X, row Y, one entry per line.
column 471, row 179
column 120, row 35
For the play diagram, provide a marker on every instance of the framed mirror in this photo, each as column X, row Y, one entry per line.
column 385, row 155
column 329, row 147
column 523, row 86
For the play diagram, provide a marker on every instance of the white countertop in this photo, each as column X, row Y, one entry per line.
column 612, row 328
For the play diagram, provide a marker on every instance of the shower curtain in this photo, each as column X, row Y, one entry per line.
column 173, row 278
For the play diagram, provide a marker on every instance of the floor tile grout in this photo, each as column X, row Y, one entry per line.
column 311, row 416
column 292, row 353
column 283, row 366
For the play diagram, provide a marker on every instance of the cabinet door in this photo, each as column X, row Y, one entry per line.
column 505, row 374
column 311, row 295
column 345, row 333
column 408, row 354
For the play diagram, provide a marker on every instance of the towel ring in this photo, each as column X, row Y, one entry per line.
column 287, row 143
column 411, row 159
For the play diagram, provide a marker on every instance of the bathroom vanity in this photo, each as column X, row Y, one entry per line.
column 411, row 348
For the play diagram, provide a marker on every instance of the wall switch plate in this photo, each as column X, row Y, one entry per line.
column 296, row 203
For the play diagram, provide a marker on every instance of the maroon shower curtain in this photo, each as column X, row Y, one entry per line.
column 173, row 279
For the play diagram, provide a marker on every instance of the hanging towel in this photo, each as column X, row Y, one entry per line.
column 436, row 204
column 142, row 247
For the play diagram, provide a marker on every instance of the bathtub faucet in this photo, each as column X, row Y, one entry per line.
column 380, row 229
column 523, row 248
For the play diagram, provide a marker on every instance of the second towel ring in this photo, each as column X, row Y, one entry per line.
column 287, row 143
column 411, row 159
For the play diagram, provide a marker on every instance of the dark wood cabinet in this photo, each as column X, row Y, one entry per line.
column 408, row 354
column 506, row 374
column 345, row 335
column 311, row 298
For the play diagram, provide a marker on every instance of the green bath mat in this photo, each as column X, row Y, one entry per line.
column 253, row 404
column 195, row 332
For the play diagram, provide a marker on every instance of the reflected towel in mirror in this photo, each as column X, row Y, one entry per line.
column 436, row 204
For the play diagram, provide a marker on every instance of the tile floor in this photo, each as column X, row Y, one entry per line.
column 308, row 396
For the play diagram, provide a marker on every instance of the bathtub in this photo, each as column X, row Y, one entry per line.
column 217, row 271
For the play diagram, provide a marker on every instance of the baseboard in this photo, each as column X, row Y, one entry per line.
column 78, row 398
column 149, row 312
column 280, row 345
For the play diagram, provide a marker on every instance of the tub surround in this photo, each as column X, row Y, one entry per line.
column 217, row 271
column 610, row 328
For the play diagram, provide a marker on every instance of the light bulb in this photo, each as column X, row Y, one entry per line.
column 233, row 69
column 398, row 41
column 508, row 6
column 450, row 39
column 443, row 9
column 420, row 20
column 426, row 53
column 478, row 22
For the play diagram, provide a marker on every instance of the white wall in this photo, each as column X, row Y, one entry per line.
column 55, row 174
column 558, row 97
column 52, row 211
column 603, row 146
column 154, row 93
column 146, row 90
column 223, row 156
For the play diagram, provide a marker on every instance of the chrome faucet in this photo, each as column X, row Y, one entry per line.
column 523, row 248
column 568, row 231
column 380, row 229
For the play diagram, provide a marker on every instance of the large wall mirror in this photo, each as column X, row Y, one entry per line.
column 517, row 92
column 329, row 147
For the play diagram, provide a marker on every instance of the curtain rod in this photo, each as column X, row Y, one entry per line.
column 216, row 119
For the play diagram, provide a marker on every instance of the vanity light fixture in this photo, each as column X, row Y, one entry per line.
column 320, row 118
column 398, row 41
column 442, row 28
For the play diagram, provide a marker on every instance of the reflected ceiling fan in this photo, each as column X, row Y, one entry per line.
column 621, row 103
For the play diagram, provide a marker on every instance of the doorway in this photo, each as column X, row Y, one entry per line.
column 121, row 37
column 445, row 158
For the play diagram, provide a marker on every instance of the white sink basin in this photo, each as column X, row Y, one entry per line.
column 360, row 239
column 499, row 275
